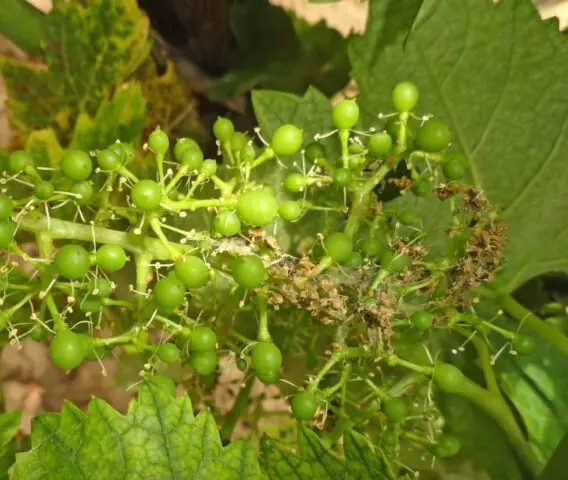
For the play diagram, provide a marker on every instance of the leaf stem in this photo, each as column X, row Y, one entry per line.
column 240, row 404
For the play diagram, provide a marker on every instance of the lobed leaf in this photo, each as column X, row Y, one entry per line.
column 159, row 438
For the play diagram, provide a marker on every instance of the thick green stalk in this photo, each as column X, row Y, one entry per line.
column 240, row 404
column 22, row 24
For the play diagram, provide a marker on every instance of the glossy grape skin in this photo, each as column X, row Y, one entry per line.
column 249, row 271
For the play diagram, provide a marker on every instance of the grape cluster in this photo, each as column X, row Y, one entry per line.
column 371, row 281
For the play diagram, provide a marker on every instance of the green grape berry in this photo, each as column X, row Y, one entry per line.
column 257, row 207
column 345, row 114
column 392, row 261
column 395, row 409
column 304, row 405
column 202, row 338
column 422, row 320
column 100, row 286
column 454, row 167
column 111, row 258
column 446, row 446
column 90, row 304
column 434, row 136
column 168, row 353
column 287, row 140
column 72, row 261
column 354, row 261
column 44, row 190
column 125, row 151
column 295, row 183
column 96, row 353
column 159, row 142
column 76, row 165
column 242, row 364
column 38, row 333
column 405, row 97
column 421, row 188
column 6, row 207
column 67, row 350
column 83, row 192
column 315, row 150
column 227, row 223
column 169, row 292
column 146, row 194
column 372, row 246
column 19, row 160
column 266, row 360
column 238, row 141
column 182, row 144
column 209, row 167
column 523, row 345
column 249, row 271
column 203, row 362
column 290, row 210
column 223, row 129
column 7, row 232
column 342, row 177
column 192, row 271
column 448, row 378
column 380, row 144
column 339, row 246
column 192, row 158
column 108, row 160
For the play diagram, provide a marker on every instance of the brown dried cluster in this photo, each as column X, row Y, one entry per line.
column 321, row 296
column 384, row 307
column 403, row 183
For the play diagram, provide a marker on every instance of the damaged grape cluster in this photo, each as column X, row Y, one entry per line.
column 98, row 256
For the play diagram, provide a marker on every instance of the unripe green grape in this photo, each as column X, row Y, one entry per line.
column 7, row 232
column 238, row 141
column 192, row 158
column 169, row 292
column 422, row 320
column 6, row 207
column 202, row 338
column 523, row 345
column 38, row 333
column 434, row 136
column 248, row 153
column 392, row 261
column 380, row 144
column 249, row 271
column 257, row 207
column 108, row 160
column 192, row 271
column 342, row 177
column 96, row 353
column 227, row 223
column 72, row 261
column 448, row 378
column 168, row 353
column 209, row 167
column 315, row 150
column 242, row 364
column 83, row 192
column 290, row 210
column 100, row 286
column 421, row 188
column 287, row 140
column 339, row 246
column 295, row 182
column 203, row 362
column 111, row 258
column 354, row 261
column 67, row 350
column 405, row 97
column 182, row 144
column 223, row 129
column 90, row 304
column 345, row 114
column 395, row 409
column 266, row 360
column 18, row 160
column 146, row 194
column 304, row 405
column 446, row 446
column 44, row 190
column 159, row 142
column 454, row 167
column 76, row 165
column 355, row 148
column 372, row 246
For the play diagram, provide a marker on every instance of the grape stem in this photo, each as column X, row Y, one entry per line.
column 263, row 333
column 337, row 356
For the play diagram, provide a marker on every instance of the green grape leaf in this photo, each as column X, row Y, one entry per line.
column 281, row 52
column 86, row 51
column 159, row 438
column 504, row 100
column 120, row 118
column 537, row 385
column 315, row 460
column 482, row 440
column 9, row 426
